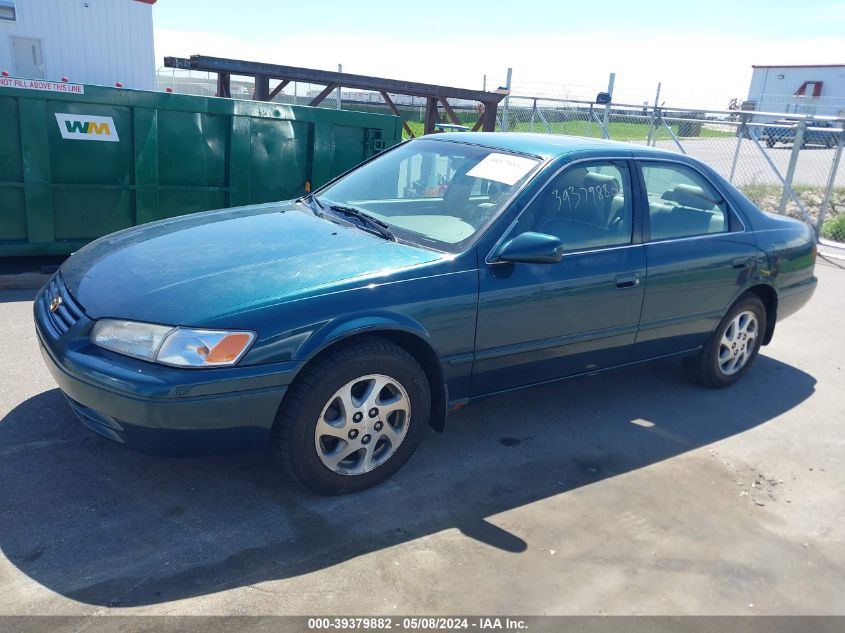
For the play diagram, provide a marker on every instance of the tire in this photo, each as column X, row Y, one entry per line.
column 770, row 143
column 712, row 366
column 366, row 371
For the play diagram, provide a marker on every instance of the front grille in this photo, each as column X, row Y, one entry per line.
column 68, row 312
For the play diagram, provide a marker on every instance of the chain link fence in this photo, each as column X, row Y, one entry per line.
column 786, row 163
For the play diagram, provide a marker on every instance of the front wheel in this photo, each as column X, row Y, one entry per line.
column 733, row 346
column 353, row 416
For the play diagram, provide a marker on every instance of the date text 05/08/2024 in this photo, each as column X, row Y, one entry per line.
column 416, row 623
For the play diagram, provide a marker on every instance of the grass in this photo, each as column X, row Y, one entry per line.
column 561, row 121
column 757, row 190
column 834, row 229
column 619, row 131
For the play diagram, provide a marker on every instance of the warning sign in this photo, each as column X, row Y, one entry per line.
column 41, row 84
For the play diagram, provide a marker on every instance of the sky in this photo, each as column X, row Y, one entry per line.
column 701, row 52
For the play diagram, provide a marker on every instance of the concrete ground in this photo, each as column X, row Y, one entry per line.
column 624, row 493
column 813, row 166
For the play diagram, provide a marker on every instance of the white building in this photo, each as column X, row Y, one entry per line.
column 88, row 41
column 816, row 90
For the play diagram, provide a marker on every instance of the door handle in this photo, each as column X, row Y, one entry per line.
column 741, row 262
column 628, row 281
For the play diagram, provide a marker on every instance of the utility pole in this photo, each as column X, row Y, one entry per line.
column 337, row 92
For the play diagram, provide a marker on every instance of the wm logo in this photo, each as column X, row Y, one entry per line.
column 87, row 128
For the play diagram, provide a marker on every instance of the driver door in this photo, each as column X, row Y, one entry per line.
column 539, row 322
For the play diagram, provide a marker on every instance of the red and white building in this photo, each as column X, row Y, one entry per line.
column 88, row 41
column 816, row 90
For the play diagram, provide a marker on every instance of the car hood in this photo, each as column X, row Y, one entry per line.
column 192, row 269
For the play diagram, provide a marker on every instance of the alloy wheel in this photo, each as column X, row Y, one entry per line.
column 737, row 344
column 362, row 424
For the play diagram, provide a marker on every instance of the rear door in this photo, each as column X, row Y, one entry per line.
column 699, row 256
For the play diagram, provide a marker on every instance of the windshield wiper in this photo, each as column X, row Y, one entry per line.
column 367, row 221
column 313, row 203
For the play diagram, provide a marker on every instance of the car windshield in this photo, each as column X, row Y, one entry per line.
column 434, row 193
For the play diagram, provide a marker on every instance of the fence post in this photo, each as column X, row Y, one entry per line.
column 797, row 142
column 786, row 188
column 544, row 121
column 606, row 121
column 506, row 107
column 656, row 120
column 653, row 127
column 743, row 130
column 828, row 192
column 533, row 113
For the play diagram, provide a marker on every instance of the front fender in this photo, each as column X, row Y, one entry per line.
column 414, row 337
column 344, row 327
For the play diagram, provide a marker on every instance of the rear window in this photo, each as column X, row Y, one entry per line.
column 681, row 203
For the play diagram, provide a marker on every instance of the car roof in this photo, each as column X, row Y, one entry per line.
column 543, row 145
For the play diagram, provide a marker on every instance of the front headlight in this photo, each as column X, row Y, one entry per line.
column 140, row 340
column 177, row 346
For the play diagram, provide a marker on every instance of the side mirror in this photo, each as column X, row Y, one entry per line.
column 532, row 248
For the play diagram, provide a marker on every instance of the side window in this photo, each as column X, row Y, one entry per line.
column 681, row 203
column 587, row 205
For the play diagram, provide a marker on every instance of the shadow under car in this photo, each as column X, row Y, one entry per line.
column 104, row 525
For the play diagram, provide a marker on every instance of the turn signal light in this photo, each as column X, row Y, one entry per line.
column 229, row 348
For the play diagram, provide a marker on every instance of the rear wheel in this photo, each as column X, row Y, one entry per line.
column 770, row 142
column 732, row 347
column 353, row 417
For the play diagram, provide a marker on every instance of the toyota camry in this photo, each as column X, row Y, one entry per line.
column 335, row 328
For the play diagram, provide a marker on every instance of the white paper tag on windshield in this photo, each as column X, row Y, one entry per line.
column 504, row 168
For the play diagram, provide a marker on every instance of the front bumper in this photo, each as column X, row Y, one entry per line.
column 157, row 409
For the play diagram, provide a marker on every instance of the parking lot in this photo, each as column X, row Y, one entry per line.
column 813, row 166
column 625, row 492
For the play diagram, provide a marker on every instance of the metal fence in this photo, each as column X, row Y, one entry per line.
column 786, row 163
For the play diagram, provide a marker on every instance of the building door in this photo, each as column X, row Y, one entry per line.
column 29, row 60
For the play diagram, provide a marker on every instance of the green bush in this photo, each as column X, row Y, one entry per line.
column 835, row 229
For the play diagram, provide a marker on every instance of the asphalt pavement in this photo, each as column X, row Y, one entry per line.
column 628, row 492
